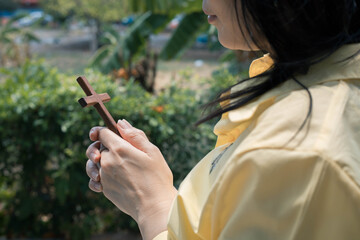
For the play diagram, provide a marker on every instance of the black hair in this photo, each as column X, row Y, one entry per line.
column 299, row 33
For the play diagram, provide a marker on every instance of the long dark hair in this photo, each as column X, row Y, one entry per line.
column 299, row 33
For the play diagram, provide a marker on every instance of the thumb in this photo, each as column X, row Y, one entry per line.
column 134, row 136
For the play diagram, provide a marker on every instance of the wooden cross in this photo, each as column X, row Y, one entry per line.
column 97, row 100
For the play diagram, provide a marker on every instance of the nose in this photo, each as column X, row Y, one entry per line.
column 204, row 7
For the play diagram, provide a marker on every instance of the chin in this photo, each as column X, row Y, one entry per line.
column 239, row 44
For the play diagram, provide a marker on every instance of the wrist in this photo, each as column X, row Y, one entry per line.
column 154, row 219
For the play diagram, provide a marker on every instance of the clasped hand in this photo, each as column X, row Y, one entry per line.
column 133, row 175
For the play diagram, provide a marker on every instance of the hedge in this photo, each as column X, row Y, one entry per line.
column 44, row 134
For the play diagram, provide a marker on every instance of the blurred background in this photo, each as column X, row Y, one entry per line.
column 159, row 60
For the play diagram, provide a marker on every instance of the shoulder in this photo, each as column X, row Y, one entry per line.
column 331, row 133
column 291, row 188
column 332, row 104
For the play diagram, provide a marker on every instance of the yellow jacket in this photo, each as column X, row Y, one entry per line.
column 261, row 183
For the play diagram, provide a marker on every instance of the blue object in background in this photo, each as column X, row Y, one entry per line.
column 127, row 20
column 6, row 14
column 202, row 38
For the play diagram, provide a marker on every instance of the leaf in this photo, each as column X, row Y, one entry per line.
column 99, row 56
column 61, row 189
column 111, row 36
column 190, row 26
column 16, row 18
column 29, row 37
column 130, row 45
column 10, row 30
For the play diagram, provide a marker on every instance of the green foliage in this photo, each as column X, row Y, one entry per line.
column 43, row 137
column 223, row 79
column 111, row 10
column 172, row 7
column 120, row 51
column 14, row 43
column 154, row 15
column 190, row 26
column 115, row 9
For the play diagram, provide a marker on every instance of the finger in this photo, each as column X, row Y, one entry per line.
column 93, row 152
column 95, row 186
column 135, row 137
column 94, row 133
column 113, row 142
column 130, row 126
column 92, row 171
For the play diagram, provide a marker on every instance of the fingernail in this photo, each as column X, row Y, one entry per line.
column 97, row 186
column 92, row 156
column 95, row 176
column 127, row 123
column 122, row 124
column 91, row 132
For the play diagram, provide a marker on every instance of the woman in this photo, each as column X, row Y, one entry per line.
column 287, row 160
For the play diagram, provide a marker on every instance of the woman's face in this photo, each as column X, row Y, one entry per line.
column 222, row 14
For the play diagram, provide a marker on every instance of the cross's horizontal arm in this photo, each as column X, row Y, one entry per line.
column 92, row 100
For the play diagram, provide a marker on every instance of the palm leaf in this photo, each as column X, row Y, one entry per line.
column 100, row 55
column 190, row 26
column 16, row 18
column 9, row 30
column 133, row 41
column 29, row 37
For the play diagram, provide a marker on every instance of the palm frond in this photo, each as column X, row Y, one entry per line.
column 190, row 26
column 130, row 44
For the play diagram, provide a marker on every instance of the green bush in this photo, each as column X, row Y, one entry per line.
column 44, row 134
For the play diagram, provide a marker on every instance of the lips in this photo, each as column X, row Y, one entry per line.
column 211, row 17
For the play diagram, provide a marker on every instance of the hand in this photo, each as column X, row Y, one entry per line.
column 133, row 175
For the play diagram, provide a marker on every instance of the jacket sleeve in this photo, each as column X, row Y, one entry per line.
column 264, row 194
column 161, row 236
column 268, row 194
column 259, row 194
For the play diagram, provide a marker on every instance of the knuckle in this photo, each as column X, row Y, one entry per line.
column 154, row 148
column 118, row 148
column 102, row 132
column 105, row 165
column 134, row 133
column 131, row 133
column 140, row 132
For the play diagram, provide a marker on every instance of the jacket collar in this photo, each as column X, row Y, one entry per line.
column 333, row 68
